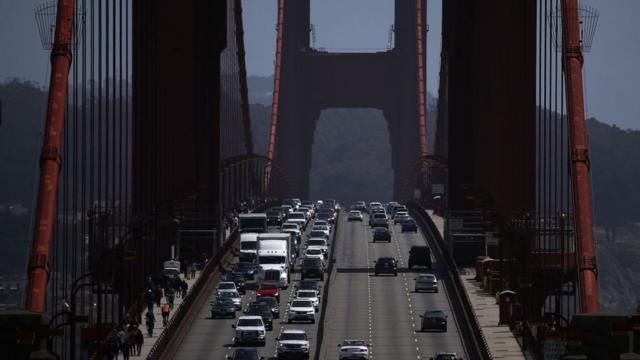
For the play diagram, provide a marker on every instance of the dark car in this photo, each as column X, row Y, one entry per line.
column 272, row 303
column 409, row 225
column 326, row 216
column 223, row 308
column 381, row 234
column 312, row 268
column 263, row 310
column 245, row 354
column 274, row 218
column 309, row 285
column 420, row 256
column 246, row 268
column 386, row 265
column 238, row 279
column 433, row 320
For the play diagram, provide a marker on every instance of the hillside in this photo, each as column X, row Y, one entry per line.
column 351, row 148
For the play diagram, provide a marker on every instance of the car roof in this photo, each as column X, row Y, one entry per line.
column 250, row 317
column 293, row 331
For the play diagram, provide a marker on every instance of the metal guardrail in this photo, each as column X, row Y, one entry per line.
column 473, row 337
column 173, row 326
column 169, row 331
column 325, row 292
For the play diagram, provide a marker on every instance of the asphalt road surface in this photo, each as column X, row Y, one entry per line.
column 383, row 310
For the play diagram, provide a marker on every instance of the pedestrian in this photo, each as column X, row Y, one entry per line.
column 169, row 295
column 187, row 272
column 158, row 295
column 150, row 297
column 184, row 287
column 151, row 322
column 131, row 340
column 165, row 313
column 193, row 270
column 139, row 340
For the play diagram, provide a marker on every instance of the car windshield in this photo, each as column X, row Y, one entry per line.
column 229, row 295
column 301, row 303
column 273, row 213
column 311, row 262
column 306, row 294
column 224, row 301
column 271, row 260
column 354, row 343
column 248, row 245
column 379, row 216
column 289, row 227
column 293, row 336
column 314, row 251
column 227, row 286
column 296, row 216
column 317, row 243
column 380, row 230
column 250, row 322
column 320, row 227
column 267, row 300
column 318, row 233
column 321, row 222
column 435, row 313
column 427, row 277
column 354, row 212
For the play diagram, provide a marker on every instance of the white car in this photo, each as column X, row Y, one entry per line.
column 249, row 329
column 322, row 222
column 311, row 295
column 226, row 286
column 318, row 243
column 324, row 228
column 353, row 349
column 293, row 343
column 292, row 228
column 314, row 253
column 426, row 282
column 299, row 218
column 301, row 310
column 354, row 215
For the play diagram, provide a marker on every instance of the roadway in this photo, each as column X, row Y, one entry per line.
column 383, row 309
column 213, row 338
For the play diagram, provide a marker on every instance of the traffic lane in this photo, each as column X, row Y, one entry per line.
column 393, row 313
column 348, row 304
column 432, row 341
column 213, row 338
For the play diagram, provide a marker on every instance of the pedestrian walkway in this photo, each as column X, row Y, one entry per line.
column 500, row 339
column 158, row 328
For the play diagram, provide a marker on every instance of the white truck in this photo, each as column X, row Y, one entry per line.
column 248, row 246
column 254, row 222
column 275, row 257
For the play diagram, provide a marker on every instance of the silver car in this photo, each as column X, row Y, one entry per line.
column 426, row 282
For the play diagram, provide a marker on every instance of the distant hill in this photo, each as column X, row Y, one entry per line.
column 351, row 148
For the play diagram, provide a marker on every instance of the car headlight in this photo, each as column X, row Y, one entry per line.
column 261, row 332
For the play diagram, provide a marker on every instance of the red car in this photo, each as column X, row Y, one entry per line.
column 268, row 288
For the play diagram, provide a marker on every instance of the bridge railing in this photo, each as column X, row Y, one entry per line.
column 174, row 327
column 472, row 335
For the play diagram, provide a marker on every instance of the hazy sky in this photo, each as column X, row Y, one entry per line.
column 611, row 71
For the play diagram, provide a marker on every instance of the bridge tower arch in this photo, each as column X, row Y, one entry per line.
column 310, row 80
